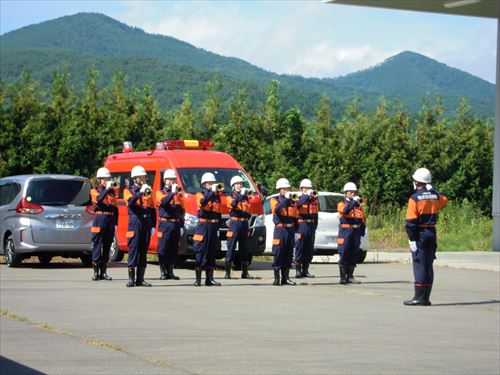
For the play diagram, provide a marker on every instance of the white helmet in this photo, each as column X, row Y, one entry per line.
column 422, row 175
column 236, row 179
column 138, row 171
column 306, row 183
column 169, row 173
column 103, row 173
column 350, row 186
column 282, row 183
column 208, row 177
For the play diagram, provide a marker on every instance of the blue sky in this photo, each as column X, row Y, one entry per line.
column 309, row 38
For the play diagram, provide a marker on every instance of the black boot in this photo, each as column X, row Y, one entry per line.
column 298, row 270
column 285, row 277
column 209, row 281
column 131, row 277
column 163, row 271
column 343, row 274
column 305, row 270
column 104, row 275
column 350, row 276
column 244, row 271
column 170, row 272
column 228, row 270
column 276, row 276
column 198, row 277
column 428, row 289
column 419, row 299
column 96, row 271
column 140, row 277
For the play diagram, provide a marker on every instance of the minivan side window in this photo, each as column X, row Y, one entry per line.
column 8, row 192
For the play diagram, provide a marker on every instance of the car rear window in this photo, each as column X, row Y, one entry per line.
column 328, row 203
column 58, row 192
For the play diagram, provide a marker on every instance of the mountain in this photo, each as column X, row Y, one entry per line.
column 172, row 67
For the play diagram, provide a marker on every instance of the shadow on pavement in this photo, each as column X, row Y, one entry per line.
column 491, row 301
column 10, row 367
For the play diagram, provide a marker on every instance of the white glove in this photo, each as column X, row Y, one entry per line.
column 144, row 187
column 288, row 195
column 175, row 187
column 428, row 186
column 243, row 191
column 215, row 187
column 295, row 237
column 356, row 198
column 109, row 184
column 182, row 231
column 413, row 245
column 153, row 230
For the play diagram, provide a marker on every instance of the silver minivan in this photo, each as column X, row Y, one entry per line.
column 45, row 215
column 328, row 226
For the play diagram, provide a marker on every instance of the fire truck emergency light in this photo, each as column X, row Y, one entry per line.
column 127, row 146
column 188, row 143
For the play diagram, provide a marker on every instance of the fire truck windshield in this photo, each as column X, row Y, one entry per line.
column 191, row 178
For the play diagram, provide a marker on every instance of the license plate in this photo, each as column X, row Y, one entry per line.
column 65, row 224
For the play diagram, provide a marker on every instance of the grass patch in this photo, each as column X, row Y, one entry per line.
column 461, row 227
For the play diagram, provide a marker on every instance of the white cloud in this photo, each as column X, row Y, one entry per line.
column 325, row 60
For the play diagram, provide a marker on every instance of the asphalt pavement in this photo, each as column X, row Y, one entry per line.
column 55, row 320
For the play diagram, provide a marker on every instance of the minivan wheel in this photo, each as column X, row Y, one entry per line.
column 86, row 260
column 361, row 256
column 115, row 254
column 11, row 257
column 45, row 259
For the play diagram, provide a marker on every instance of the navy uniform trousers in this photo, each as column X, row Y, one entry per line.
column 168, row 243
column 205, row 244
column 102, row 240
column 304, row 246
column 349, row 249
column 138, row 244
column 239, row 236
column 283, row 251
column 424, row 257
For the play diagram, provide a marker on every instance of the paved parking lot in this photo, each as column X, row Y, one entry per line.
column 56, row 320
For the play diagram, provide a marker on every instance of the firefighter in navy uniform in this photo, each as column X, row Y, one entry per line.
column 306, row 228
column 171, row 222
column 284, row 210
column 103, row 226
column 237, row 234
column 421, row 218
column 141, row 225
column 351, row 228
column 206, row 233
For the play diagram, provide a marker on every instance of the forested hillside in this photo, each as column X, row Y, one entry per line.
column 172, row 68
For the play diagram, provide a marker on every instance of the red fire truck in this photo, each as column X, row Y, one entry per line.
column 190, row 159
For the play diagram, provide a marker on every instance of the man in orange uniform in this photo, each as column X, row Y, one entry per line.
column 307, row 224
column 206, row 237
column 421, row 218
column 237, row 233
column 103, row 226
column 351, row 229
column 284, row 210
column 171, row 212
column 141, row 225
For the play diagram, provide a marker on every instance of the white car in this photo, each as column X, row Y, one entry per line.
column 328, row 226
